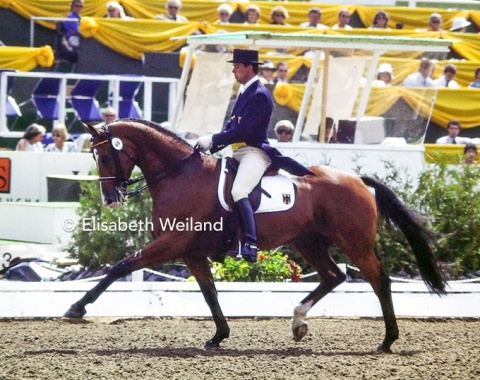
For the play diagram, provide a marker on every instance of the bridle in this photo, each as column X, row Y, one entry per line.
column 122, row 183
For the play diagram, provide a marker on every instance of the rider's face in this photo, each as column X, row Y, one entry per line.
column 243, row 73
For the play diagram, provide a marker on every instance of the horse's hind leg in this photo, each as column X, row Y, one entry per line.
column 314, row 249
column 200, row 268
column 373, row 272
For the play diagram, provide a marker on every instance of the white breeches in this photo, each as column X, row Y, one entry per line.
column 253, row 164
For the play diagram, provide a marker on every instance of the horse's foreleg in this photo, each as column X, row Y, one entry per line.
column 121, row 269
column 314, row 249
column 200, row 268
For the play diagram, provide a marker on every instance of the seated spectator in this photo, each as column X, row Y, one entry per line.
column 115, row 10
column 330, row 131
column 476, row 82
column 470, row 151
column 252, row 14
column 314, row 17
column 31, row 140
column 60, row 143
column 282, row 70
column 173, row 9
column 284, row 131
column 434, row 22
column 279, row 14
column 422, row 77
column 447, row 80
column 453, row 129
column 224, row 13
column 266, row 72
column 380, row 20
column 343, row 20
column 384, row 76
column 460, row 25
column 109, row 114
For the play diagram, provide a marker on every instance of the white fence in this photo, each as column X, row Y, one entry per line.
column 174, row 299
column 114, row 88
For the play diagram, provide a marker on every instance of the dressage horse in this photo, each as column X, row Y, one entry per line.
column 332, row 208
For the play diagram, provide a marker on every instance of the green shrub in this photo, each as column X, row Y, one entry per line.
column 94, row 248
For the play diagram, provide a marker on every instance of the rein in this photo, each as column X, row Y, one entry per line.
column 122, row 183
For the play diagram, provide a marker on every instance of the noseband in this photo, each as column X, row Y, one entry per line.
column 122, row 183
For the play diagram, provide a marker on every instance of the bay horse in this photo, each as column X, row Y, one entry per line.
column 332, row 208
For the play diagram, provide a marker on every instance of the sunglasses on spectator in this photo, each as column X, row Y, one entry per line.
column 172, row 7
column 435, row 21
column 111, row 9
column 347, row 16
column 224, row 14
column 56, row 135
column 108, row 115
column 278, row 15
column 282, row 71
column 284, row 131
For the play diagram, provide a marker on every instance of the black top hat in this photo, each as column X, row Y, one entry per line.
column 245, row 56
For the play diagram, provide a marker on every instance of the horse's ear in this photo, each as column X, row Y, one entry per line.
column 90, row 129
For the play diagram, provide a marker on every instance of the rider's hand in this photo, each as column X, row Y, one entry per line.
column 205, row 142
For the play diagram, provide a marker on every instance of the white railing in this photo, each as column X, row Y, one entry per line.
column 38, row 18
column 114, row 88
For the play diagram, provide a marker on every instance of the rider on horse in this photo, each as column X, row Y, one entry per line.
column 247, row 133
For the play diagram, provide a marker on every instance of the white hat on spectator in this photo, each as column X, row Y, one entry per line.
column 385, row 68
column 459, row 23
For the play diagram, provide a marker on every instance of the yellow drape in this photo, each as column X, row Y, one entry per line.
column 25, row 58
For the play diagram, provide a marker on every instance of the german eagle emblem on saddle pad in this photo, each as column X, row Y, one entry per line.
column 273, row 193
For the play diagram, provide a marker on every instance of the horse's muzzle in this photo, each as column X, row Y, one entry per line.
column 115, row 198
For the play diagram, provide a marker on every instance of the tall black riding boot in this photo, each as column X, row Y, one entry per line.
column 249, row 246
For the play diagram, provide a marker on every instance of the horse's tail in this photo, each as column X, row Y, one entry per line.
column 421, row 239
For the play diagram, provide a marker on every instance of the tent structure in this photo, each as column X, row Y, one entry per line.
column 323, row 48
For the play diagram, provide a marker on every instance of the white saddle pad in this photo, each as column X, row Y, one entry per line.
column 279, row 188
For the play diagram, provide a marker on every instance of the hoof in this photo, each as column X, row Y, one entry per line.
column 384, row 349
column 211, row 344
column 299, row 332
column 75, row 311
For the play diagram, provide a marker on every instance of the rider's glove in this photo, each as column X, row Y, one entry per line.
column 205, row 142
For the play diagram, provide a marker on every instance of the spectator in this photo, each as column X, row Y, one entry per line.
column 330, row 131
column 252, row 14
column 31, row 140
column 453, row 129
column 460, row 25
column 224, row 13
column 115, row 10
column 279, row 14
column 447, row 79
column 282, row 70
column 422, row 77
column 380, row 20
column 266, row 72
column 314, row 17
column 434, row 22
column 343, row 20
column 71, row 27
column 476, row 82
column 109, row 114
column 470, row 151
column 284, row 131
column 173, row 9
column 60, row 143
column 384, row 76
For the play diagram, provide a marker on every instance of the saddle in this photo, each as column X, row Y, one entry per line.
column 275, row 191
